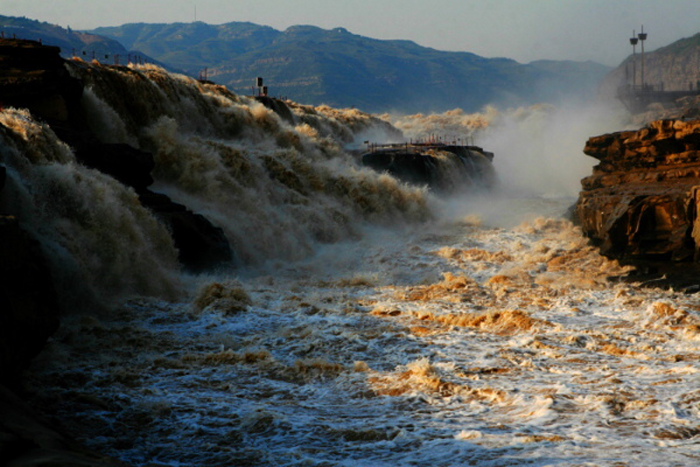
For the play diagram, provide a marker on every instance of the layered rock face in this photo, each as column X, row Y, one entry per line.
column 641, row 203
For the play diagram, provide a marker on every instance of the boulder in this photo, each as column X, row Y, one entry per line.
column 641, row 202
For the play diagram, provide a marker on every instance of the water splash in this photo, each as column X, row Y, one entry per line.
column 102, row 244
column 277, row 189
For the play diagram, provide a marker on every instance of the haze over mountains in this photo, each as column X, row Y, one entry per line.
column 336, row 67
column 674, row 67
column 341, row 69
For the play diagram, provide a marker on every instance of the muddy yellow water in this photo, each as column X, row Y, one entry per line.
column 457, row 343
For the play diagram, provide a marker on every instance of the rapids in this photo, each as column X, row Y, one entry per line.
column 366, row 323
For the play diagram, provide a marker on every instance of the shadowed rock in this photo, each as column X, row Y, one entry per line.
column 33, row 76
column 27, row 440
column 200, row 244
column 444, row 168
column 28, row 306
column 127, row 164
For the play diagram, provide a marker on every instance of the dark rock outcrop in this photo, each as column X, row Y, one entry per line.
column 410, row 167
column 127, row 164
column 444, row 168
column 28, row 305
column 641, row 203
column 200, row 244
column 34, row 77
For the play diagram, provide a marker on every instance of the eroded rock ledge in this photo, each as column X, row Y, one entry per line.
column 641, row 202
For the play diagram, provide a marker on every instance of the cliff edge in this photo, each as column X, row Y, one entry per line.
column 641, row 202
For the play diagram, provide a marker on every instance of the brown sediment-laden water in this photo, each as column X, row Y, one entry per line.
column 366, row 322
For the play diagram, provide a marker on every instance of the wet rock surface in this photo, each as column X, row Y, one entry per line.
column 444, row 168
column 127, row 164
column 278, row 106
column 33, row 76
column 29, row 315
column 641, row 202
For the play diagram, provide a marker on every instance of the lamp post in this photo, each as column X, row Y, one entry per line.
column 642, row 37
column 633, row 41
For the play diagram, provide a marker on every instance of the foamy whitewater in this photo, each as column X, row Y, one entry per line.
column 365, row 322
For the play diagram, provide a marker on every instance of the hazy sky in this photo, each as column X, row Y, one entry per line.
column 524, row 30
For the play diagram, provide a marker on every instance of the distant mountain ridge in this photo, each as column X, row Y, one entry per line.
column 335, row 67
column 71, row 42
column 316, row 66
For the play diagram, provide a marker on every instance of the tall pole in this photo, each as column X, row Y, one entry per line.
column 633, row 41
column 642, row 37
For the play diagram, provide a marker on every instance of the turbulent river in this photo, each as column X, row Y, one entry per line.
column 366, row 323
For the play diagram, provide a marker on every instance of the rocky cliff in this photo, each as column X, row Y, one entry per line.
column 641, row 202
column 675, row 66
